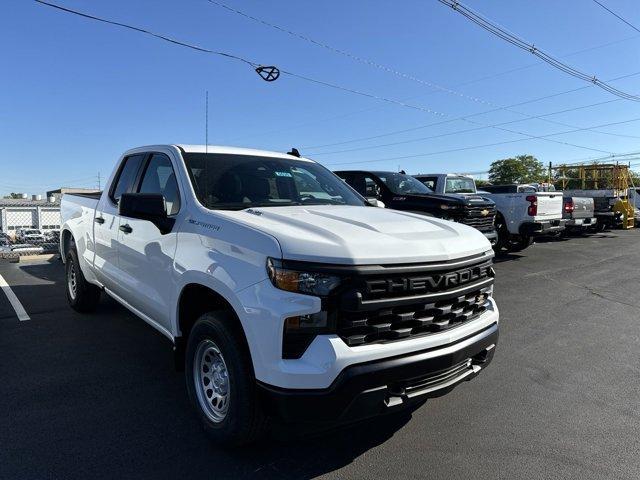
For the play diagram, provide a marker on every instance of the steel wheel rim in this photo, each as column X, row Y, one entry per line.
column 72, row 280
column 211, row 378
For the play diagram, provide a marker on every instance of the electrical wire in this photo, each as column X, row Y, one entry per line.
column 514, row 40
column 379, row 66
column 482, row 127
column 420, row 127
column 617, row 16
column 292, row 74
column 147, row 32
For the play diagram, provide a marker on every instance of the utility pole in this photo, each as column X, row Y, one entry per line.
column 549, row 173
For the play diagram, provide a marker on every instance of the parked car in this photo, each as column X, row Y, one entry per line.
column 604, row 204
column 26, row 249
column 6, row 238
column 523, row 214
column 579, row 214
column 30, row 235
column 282, row 291
column 400, row 191
column 5, row 245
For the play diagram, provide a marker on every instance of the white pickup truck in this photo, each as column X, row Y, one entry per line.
column 524, row 213
column 283, row 292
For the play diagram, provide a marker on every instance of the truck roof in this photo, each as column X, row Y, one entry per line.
column 221, row 149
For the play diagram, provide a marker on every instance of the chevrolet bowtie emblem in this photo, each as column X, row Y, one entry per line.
column 484, row 213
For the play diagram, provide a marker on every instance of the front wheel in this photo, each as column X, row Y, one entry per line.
column 81, row 295
column 220, row 381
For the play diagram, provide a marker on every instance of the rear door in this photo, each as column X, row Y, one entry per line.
column 145, row 256
column 107, row 222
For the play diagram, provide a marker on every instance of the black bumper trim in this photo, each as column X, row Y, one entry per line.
column 367, row 389
column 542, row 227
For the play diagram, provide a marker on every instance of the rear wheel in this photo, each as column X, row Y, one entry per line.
column 81, row 295
column 524, row 241
column 220, row 381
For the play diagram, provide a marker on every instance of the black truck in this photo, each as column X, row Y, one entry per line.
column 400, row 191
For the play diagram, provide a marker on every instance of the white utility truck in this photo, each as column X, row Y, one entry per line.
column 284, row 293
column 524, row 213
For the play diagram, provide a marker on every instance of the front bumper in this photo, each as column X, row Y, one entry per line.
column 376, row 387
column 492, row 236
column 543, row 227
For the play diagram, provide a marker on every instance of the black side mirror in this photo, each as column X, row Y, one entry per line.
column 146, row 206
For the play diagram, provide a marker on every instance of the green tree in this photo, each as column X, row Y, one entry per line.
column 519, row 169
column 13, row 195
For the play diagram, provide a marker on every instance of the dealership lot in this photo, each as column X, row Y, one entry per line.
column 96, row 396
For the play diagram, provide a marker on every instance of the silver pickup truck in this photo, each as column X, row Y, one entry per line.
column 579, row 214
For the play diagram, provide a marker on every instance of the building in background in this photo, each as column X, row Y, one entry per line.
column 36, row 212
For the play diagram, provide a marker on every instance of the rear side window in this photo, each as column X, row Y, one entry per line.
column 159, row 177
column 126, row 176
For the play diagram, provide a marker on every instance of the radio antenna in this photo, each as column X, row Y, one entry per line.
column 206, row 122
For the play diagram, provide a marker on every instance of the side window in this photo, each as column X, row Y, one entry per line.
column 159, row 177
column 429, row 182
column 126, row 176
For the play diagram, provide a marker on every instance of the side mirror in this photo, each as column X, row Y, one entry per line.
column 146, row 206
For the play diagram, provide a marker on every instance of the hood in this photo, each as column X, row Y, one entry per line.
column 362, row 235
column 458, row 198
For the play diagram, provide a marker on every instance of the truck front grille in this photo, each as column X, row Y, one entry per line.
column 383, row 309
column 479, row 217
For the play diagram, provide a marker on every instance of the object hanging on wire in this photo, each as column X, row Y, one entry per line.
column 268, row 73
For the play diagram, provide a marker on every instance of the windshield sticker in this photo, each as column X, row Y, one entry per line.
column 283, row 174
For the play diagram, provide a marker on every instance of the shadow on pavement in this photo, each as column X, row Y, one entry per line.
column 97, row 396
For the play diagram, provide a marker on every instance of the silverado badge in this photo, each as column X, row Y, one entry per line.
column 484, row 212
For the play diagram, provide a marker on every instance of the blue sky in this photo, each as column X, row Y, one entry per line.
column 74, row 94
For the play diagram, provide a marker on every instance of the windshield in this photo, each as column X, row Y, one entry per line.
column 402, row 184
column 460, row 185
column 236, row 182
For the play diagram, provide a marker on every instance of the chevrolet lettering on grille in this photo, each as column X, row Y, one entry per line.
column 430, row 283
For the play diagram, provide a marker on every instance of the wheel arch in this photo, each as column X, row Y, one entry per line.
column 196, row 299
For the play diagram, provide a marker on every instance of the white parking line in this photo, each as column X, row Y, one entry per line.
column 15, row 303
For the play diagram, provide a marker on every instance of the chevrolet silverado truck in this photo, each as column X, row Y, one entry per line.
column 282, row 291
column 400, row 191
column 523, row 214
column 579, row 214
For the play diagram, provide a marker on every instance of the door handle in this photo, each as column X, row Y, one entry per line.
column 99, row 220
column 126, row 228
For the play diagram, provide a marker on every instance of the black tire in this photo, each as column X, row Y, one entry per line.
column 525, row 241
column 243, row 421
column 504, row 237
column 81, row 295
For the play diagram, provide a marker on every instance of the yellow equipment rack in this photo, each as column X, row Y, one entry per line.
column 604, row 176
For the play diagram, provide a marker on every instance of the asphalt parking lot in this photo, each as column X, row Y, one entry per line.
column 96, row 396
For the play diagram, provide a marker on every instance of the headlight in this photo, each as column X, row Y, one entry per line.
column 310, row 283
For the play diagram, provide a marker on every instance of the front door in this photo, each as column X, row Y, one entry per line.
column 145, row 256
column 107, row 222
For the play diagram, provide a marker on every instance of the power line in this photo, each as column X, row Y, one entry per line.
column 482, row 127
column 470, row 82
column 531, row 48
column 420, row 127
column 473, row 147
column 377, row 65
column 147, row 32
column 269, row 77
column 617, row 16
